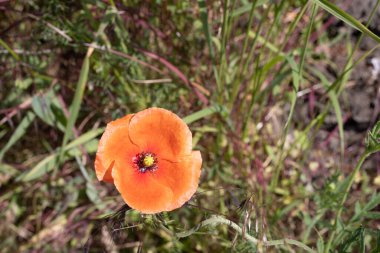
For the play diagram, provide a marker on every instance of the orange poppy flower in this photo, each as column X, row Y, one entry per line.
column 149, row 158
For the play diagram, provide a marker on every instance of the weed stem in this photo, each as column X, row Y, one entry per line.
column 216, row 220
column 346, row 191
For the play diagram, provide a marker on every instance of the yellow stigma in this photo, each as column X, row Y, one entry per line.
column 148, row 160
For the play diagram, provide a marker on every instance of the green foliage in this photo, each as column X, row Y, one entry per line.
column 47, row 108
column 366, row 210
column 265, row 86
column 330, row 195
column 18, row 133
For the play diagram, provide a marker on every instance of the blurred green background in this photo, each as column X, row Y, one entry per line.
column 282, row 97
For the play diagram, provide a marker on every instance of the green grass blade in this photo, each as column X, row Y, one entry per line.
column 84, row 138
column 9, row 49
column 237, row 83
column 341, row 84
column 336, row 83
column 206, row 27
column 91, row 191
column 266, row 43
column 297, row 74
column 293, row 25
column 18, row 133
column 345, row 17
column 43, row 167
column 78, row 97
column 49, row 163
column 335, row 103
column 246, row 8
column 202, row 113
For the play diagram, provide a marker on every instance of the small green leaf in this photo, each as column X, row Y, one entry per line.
column 18, row 133
column 47, row 108
column 373, row 139
column 373, row 202
column 357, row 208
column 373, row 215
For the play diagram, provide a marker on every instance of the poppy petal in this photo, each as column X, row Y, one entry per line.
column 162, row 132
column 181, row 177
column 149, row 159
column 113, row 144
column 140, row 190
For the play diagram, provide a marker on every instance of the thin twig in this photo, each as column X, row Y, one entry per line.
column 51, row 26
column 152, row 81
column 176, row 70
column 124, row 55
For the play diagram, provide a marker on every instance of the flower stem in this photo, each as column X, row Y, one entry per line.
column 216, row 220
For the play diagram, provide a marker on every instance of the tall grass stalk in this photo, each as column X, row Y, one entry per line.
column 298, row 81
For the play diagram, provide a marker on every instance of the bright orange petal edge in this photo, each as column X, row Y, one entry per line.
column 161, row 132
column 158, row 133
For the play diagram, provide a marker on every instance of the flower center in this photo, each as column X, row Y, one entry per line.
column 145, row 161
column 148, row 160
